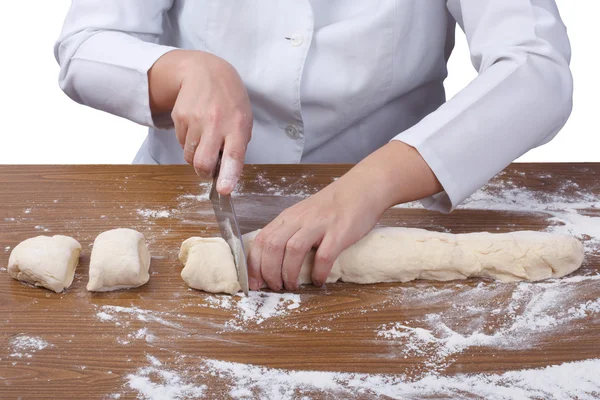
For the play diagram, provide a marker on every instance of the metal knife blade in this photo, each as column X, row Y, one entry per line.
column 230, row 229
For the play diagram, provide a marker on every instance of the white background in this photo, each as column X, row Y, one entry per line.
column 41, row 125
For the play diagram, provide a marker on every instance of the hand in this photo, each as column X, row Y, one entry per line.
column 210, row 109
column 331, row 220
column 338, row 216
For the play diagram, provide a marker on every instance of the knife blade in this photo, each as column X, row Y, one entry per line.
column 230, row 229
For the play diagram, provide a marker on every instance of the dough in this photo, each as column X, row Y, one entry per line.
column 209, row 265
column 45, row 261
column 120, row 260
column 405, row 254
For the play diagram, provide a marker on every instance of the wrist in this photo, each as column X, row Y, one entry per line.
column 395, row 174
column 165, row 79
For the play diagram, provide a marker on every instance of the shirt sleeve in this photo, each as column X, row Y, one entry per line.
column 105, row 51
column 520, row 100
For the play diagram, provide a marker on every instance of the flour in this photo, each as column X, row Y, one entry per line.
column 156, row 214
column 213, row 378
column 102, row 316
column 573, row 213
column 204, row 192
column 134, row 313
column 153, row 383
column 533, row 311
column 259, row 307
column 23, row 346
column 298, row 188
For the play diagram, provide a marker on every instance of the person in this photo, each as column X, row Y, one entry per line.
column 325, row 81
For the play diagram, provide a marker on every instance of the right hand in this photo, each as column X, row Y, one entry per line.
column 210, row 109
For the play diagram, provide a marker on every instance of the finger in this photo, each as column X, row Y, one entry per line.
column 255, row 279
column 207, row 154
column 296, row 250
column 181, row 128
column 192, row 140
column 232, row 164
column 327, row 253
column 271, row 261
column 182, row 118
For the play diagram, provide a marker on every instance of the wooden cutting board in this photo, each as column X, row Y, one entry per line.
column 84, row 345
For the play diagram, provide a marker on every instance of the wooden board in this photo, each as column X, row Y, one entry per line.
column 89, row 354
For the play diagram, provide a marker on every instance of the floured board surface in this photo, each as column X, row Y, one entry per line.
column 471, row 339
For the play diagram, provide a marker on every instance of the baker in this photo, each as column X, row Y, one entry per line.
column 325, row 81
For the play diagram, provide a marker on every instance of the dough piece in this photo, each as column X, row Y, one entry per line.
column 209, row 265
column 405, row 254
column 45, row 261
column 120, row 260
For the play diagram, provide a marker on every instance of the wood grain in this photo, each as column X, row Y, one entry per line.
column 335, row 330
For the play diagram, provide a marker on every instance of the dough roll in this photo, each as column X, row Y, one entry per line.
column 405, row 254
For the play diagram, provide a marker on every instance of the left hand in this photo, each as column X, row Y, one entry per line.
column 331, row 220
column 338, row 216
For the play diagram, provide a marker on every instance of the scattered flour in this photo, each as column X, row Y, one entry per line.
column 102, row 316
column 170, row 385
column 243, row 381
column 117, row 312
column 283, row 187
column 143, row 334
column 258, row 307
column 24, row 346
column 203, row 196
column 530, row 313
column 568, row 210
column 156, row 214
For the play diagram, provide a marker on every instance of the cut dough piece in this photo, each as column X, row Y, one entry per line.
column 45, row 261
column 405, row 254
column 120, row 260
column 203, row 258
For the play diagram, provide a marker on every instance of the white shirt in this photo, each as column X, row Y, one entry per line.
column 333, row 80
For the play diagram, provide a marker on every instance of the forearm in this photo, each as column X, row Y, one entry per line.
column 164, row 80
column 394, row 174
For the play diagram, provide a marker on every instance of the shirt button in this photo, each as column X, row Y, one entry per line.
column 296, row 40
column 292, row 132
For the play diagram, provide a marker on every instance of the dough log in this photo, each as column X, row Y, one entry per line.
column 120, row 260
column 405, row 254
column 45, row 261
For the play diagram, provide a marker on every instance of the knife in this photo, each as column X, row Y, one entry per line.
column 230, row 229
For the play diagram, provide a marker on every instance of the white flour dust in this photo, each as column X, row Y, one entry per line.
column 480, row 318
column 119, row 314
column 572, row 211
column 256, row 308
column 23, row 346
column 156, row 214
column 201, row 196
column 244, row 381
column 281, row 186
column 155, row 383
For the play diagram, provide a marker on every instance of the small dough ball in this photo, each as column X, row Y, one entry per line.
column 209, row 265
column 120, row 260
column 45, row 261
